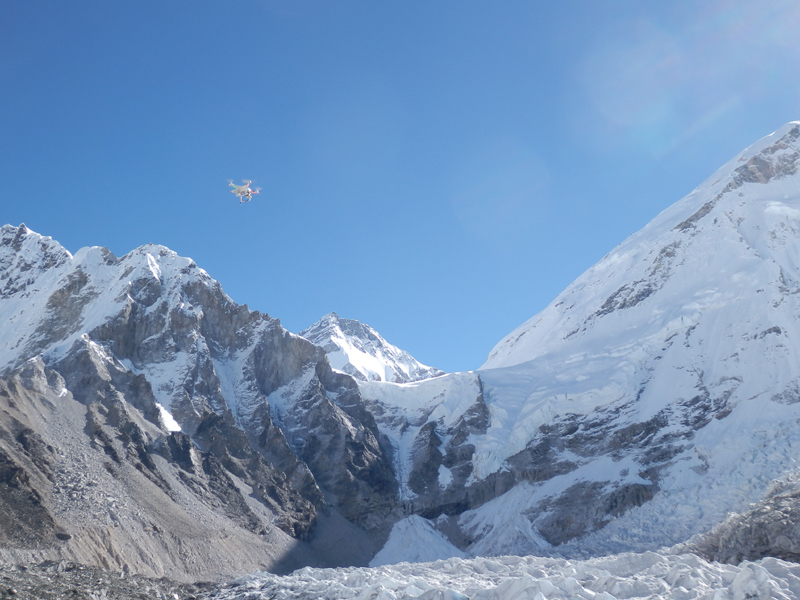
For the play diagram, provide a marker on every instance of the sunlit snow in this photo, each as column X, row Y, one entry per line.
column 651, row 575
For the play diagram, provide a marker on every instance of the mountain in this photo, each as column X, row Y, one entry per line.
column 149, row 423
column 657, row 394
column 360, row 351
column 143, row 408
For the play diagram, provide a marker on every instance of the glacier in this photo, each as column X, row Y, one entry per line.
column 655, row 576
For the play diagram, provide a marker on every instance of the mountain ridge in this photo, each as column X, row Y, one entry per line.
column 654, row 396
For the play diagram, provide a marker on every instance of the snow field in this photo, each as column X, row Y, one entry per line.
column 414, row 539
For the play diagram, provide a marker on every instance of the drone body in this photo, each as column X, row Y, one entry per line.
column 243, row 192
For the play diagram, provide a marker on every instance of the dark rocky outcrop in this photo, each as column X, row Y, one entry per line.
column 770, row 528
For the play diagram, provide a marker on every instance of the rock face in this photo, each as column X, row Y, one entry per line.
column 85, row 480
column 168, row 377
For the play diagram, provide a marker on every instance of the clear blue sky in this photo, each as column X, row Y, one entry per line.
column 440, row 170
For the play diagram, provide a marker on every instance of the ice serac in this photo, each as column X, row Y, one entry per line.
column 211, row 402
column 357, row 349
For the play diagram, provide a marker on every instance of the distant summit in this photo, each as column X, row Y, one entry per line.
column 357, row 349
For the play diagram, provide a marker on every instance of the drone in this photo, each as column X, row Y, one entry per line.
column 243, row 192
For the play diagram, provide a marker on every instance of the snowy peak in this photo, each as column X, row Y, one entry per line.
column 51, row 297
column 749, row 208
column 23, row 255
column 357, row 349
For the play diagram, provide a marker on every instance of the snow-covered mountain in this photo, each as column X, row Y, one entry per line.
column 669, row 371
column 357, row 349
column 223, row 408
column 659, row 393
column 655, row 395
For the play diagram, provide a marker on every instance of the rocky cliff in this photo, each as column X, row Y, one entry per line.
column 203, row 399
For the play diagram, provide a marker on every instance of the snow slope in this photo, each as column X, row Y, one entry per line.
column 733, row 235
column 684, row 336
column 413, row 539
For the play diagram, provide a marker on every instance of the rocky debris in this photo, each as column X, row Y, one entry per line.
column 770, row 528
column 27, row 470
column 64, row 580
column 97, row 483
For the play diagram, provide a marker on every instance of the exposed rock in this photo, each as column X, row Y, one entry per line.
column 144, row 344
column 93, row 481
column 770, row 528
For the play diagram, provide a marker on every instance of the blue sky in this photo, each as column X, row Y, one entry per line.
column 440, row 170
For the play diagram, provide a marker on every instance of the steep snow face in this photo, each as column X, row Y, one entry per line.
column 360, row 351
column 731, row 242
column 414, row 539
column 658, row 393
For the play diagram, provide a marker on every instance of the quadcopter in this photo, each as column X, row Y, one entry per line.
column 243, row 192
